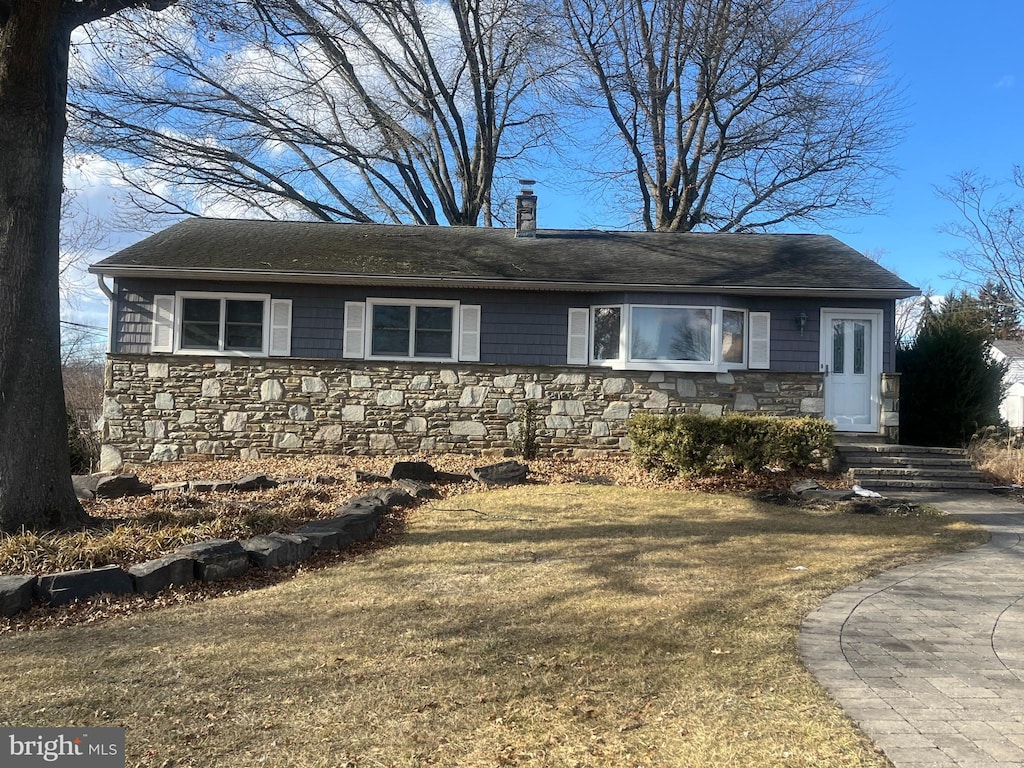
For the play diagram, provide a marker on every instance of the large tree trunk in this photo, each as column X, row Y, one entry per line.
column 35, row 476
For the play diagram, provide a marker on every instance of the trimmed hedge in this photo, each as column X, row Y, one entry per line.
column 695, row 444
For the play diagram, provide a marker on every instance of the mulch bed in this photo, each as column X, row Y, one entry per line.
column 291, row 505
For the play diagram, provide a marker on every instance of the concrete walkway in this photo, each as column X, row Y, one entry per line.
column 928, row 659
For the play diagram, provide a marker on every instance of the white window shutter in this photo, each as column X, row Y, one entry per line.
column 355, row 324
column 760, row 340
column 281, row 327
column 579, row 325
column 469, row 333
column 163, row 324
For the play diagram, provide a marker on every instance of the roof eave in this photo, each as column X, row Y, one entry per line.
column 492, row 283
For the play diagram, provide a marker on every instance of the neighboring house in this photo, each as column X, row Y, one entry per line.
column 1012, row 406
column 251, row 338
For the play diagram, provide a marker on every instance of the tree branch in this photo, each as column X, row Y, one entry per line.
column 79, row 12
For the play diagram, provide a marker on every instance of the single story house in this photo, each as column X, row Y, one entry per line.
column 255, row 338
column 1012, row 406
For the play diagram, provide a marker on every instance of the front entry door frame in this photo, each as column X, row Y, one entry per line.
column 873, row 363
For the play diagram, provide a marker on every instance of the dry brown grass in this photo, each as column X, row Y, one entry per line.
column 564, row 625
column 131, row 530
column 1003, row 460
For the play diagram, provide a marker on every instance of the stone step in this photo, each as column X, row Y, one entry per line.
column 901, row 450
column 911, row 473
column 910, row 467
column 925, row 485
column 873, row 460
column 858, row 438
column 881, row 479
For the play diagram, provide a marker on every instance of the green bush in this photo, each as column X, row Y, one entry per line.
column 695, row 444
column 524, row 439
column 950, row 386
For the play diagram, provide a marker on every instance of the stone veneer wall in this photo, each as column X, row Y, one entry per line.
column 891, row 407
column 168, row 408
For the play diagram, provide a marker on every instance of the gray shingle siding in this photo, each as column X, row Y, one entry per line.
column 517, row 327
column 524, row 328
column 133, row 321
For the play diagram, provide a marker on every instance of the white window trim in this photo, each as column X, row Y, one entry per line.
column 612, row 362
column 412, row 303
column 743, row 364
column 625, row 362
column 223, row 297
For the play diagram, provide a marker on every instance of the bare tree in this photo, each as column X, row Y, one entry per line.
column 738, row 115
column 338, row 110
column 991, row 226
column 35, row 39
column 82, row 372
column 82, row 233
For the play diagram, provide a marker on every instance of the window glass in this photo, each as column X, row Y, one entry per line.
column 858, row 347
column 200, row 323
column 838, row 346
column 732, row 336
column 243, row 328
column 607, row 328
column 671, row 333
column 391, row 327
column 434, row 331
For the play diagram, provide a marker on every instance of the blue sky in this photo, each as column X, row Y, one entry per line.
column 963, row 74
column 963, row 78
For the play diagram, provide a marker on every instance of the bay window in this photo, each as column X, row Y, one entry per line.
column 607, row 333
column 675, row 334
column 668, row 337
column 734, row 323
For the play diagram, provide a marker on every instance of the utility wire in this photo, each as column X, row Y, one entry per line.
column 81, row 325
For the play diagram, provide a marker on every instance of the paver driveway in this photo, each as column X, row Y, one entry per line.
column 928, row 659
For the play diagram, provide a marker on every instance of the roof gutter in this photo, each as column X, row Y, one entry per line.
column 490, row 283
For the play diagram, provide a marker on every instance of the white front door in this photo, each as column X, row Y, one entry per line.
column 851, row 355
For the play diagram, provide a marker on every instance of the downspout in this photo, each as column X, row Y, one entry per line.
column 103, row 287
column 111, row 313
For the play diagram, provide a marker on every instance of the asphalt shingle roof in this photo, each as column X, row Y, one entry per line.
column 326, row 252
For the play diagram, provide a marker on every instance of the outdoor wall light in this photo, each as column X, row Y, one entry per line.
column 801, row 321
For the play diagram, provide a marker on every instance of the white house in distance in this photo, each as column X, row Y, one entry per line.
column 1012, row 407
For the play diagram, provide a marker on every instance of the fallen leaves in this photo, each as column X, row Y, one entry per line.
column 134, row 529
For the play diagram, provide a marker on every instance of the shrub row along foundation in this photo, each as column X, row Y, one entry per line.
column 170, row 408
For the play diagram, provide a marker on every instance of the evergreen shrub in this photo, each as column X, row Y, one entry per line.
column 694, row 444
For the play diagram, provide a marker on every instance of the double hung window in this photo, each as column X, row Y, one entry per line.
column 413, row 330
column 203, row 322
column 223, row 324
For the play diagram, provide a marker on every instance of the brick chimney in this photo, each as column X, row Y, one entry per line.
column 526, row 210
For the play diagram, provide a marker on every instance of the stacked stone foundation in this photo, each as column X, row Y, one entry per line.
column 170, row 408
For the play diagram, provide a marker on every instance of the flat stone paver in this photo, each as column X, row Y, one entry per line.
column 928, row 659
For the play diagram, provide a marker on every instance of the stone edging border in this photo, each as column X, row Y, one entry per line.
column 213, row 560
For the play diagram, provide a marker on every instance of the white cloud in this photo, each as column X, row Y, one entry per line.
column 1006, row 81
column 92, row 227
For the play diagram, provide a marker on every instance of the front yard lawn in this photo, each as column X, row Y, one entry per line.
column 547, row 625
